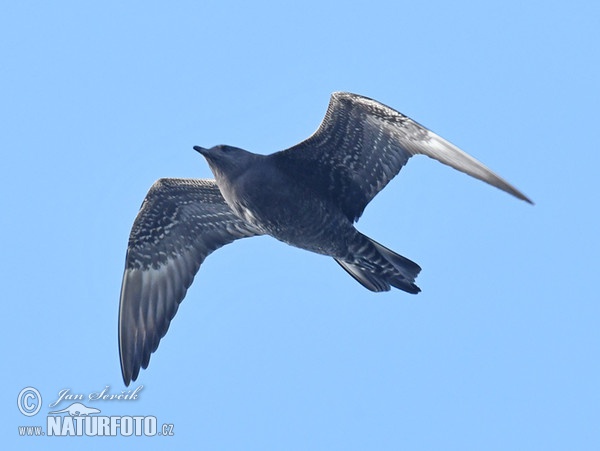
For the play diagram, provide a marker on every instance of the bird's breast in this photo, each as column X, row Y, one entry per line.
column 288, row 211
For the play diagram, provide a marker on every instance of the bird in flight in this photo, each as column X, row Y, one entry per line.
column 308, row 196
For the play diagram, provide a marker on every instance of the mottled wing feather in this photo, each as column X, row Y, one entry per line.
column 362, row 144
column 180, row 223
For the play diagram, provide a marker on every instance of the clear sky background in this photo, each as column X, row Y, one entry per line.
column 274, row 347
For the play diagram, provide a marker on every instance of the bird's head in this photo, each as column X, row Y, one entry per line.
column 226, row 161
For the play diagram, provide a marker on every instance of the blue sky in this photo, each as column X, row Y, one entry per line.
column 274, row 347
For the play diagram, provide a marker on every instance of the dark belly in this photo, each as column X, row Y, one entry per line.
column 297, row 217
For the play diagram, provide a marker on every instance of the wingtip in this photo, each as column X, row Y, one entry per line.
column 130, row 374
column 528, row 200
column 519, row 195
column 126, row 372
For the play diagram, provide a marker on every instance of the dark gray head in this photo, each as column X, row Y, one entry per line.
column 226, row 161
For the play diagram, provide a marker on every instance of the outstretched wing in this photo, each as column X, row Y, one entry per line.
column 362, row 144
column 180, row 222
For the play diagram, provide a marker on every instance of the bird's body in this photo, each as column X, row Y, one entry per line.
column 308, row 196
column 268, row 196
column 290, row 212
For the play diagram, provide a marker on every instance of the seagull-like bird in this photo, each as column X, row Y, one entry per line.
column 308, row 196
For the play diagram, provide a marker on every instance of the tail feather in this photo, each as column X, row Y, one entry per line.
column 366, row 278
column 409, row 269
column 386, row 269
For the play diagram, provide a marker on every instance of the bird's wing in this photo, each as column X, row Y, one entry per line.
column 362, row 144
column 180, row 222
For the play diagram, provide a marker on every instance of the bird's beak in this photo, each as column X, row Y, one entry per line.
column 202, row 150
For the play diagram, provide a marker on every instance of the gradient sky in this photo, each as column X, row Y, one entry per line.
column 274, row 347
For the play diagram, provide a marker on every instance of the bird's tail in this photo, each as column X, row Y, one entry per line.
column 378, row 268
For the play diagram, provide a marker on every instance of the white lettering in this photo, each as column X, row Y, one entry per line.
column 53, row 425
column 65, row 394
column 125, row 395
column 103, row 425
column 68, row 428
column 150, row 426
column 125, row 426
